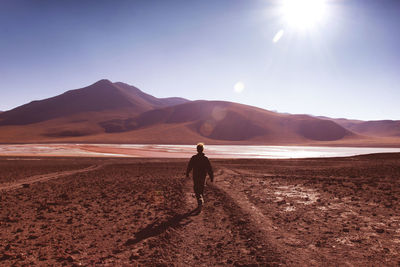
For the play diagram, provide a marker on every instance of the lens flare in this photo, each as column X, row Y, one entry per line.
column 239, row 87
column 278, row 36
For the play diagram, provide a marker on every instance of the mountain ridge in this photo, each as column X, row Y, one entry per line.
column 377, row 128
column 119, row 112
column 100, row 96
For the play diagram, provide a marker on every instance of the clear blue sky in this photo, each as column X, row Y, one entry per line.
column 346, row 65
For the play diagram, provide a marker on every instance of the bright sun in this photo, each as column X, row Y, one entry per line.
column 303, row 14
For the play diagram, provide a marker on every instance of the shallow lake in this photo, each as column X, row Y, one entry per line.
column 184, row 151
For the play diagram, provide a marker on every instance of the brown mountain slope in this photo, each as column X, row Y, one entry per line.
column 107, row 112
column 385, row 128
column 99, row 97
column 153, row 101
column 229, row 121
column 379, row 128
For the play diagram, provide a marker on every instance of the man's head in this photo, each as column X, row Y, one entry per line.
column 200, row 147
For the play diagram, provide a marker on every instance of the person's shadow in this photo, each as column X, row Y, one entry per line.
column 156, row 228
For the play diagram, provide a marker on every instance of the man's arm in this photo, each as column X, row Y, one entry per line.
column 210, row 170
column 189, row 167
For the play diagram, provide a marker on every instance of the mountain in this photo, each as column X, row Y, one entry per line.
column 219, row 120
column 101, row 96
column 378, row 128
column 107, row 112
column 153, row 101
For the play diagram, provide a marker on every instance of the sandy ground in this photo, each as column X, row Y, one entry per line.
column 299, row 212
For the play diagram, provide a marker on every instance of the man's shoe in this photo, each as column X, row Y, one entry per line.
column 202, row 199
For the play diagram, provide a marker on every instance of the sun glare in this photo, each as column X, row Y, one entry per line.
column 303, row 14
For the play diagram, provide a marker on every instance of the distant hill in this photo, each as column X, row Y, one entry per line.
column 101, row 96
column 107, row 112
column 229, row 121
column 379, row 128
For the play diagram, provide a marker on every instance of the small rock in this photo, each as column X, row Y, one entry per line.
column 63, row 196
column 242, row 221
column 60, row 259
column 32, row 237
column 133, row 257
column 9, row 220
column 116, row 251
column 5, row 257
column 130, row 241
column 40, row 217
column 380, row 231
column 281, row 202
column 25, row 185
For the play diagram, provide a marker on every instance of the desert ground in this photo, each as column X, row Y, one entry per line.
column 133, row 211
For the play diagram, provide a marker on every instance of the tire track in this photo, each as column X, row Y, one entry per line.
column 250, row 230
column 284, row 242
column 45, row 177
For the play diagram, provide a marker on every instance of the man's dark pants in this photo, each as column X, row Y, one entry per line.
column 198, row 186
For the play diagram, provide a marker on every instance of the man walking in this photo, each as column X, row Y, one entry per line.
column 201, row 166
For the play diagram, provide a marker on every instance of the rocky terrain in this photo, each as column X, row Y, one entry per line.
column 70, row 211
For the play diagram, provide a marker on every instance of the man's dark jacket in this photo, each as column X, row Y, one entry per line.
column 201, row 166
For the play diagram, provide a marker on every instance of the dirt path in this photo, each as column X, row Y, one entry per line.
column 284, row 242
column 222, row 233
column 45, row 177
